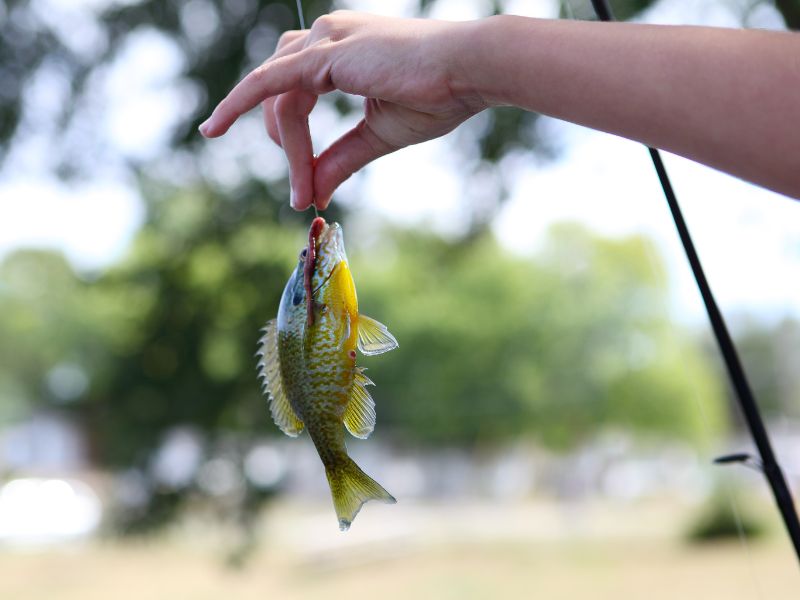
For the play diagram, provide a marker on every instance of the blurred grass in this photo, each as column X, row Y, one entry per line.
column 410, row 558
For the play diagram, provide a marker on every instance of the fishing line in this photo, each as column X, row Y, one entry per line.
column 302, row 27
column 743, row 539
column 724, row 484
column 771, row 469
column 653, row 261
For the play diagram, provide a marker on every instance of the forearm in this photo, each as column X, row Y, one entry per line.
column 727, row 98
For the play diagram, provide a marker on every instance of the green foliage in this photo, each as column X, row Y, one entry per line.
column 44, row 325
column 770, row 355
column 217, row 42
column 624, row 10
column 621, row 9
column 194, row 290
column 57, row 82
column 493, row 346
column 718, row 521
column 216, row 37
column 790, row 11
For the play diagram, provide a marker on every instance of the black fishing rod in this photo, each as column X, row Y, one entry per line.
column 769, row 465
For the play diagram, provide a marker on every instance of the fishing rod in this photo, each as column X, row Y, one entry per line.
column 769, row 464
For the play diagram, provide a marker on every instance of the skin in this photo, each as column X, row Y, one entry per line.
column 727, row 98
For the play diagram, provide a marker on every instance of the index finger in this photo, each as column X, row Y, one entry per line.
column 270, row 79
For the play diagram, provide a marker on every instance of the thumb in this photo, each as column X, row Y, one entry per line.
column 356, row 148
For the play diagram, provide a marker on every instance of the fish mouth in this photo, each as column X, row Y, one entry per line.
column 330, row 237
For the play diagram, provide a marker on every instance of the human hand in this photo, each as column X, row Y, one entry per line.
column 411, row 73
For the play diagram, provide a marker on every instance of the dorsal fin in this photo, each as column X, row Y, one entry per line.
column 269, row 368
column 359, row 416
column 374, row 337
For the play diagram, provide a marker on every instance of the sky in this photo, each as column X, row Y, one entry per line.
column 748, row 238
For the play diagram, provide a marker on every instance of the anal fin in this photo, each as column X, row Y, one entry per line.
column 359, row 416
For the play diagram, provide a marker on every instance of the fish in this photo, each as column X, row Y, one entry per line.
column 307, row 364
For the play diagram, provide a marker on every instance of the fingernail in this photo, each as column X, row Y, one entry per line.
column 204, row 126
column 293, row 200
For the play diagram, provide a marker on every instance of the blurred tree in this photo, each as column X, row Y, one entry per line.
column 65, row 52
column 67, row 68
column 493, row 347
column 202, row 277
column 47, row 342
column 182, row 313
column 68, row 72
column 716, row 520
column 770, row 354
column 790, row 11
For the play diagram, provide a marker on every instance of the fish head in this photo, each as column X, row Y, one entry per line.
column 329, row 283
column 322, row 275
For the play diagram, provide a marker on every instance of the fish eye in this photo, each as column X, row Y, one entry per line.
column 303, row 253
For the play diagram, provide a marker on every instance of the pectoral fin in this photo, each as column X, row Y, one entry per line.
column 269, row 369
column 359, row 416
column 374, row 337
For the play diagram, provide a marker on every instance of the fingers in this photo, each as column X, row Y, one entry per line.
column 291, row 115
column 286, row 121
column 289, row 37
column 275, row 77
column 270, row 122
column 345, row 156
column 289, row 42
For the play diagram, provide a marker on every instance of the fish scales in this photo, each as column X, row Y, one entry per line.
column 308, row 365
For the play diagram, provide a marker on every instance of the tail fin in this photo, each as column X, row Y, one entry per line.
column 351, row 488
